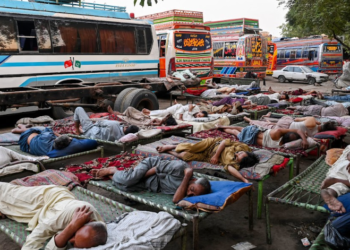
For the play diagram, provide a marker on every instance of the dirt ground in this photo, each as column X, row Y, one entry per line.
column 229, row 227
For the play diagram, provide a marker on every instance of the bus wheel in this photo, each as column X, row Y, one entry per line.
column 120, row 98
column 140, row 99
column 60, row 113
column 311, row 81
column 281, row 79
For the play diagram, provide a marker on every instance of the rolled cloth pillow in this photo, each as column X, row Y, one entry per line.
column 129, row 138
column 297, row 143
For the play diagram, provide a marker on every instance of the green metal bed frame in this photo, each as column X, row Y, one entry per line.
column 320, row 243
column 302, row 191
column 164, row 202
column 107, row 208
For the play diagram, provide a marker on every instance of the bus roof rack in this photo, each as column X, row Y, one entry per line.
column 80, row 4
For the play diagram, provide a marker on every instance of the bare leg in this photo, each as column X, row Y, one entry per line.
column 234, row 132
column 165, row 148
column 247, row 119
column 267, row 115
column 178, row 155
column 271, row 90
column 146, row 111
column 329, row 197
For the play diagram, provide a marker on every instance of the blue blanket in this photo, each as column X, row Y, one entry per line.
column 248, row 135
column 220, row 192
column 40, row 145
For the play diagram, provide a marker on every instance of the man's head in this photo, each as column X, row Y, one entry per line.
column 201, row 114
column 328, row 126
column 246, row 159
column 62, row 142
column 131, row 129
column 170, row 121
column 92, row 234
column 284, row 97
column 290, row 136
column 200, row 186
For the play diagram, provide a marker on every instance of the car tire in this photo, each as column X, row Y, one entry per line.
column 281, row 79
column 121, row 96
column 140, row 99
column 311, row 81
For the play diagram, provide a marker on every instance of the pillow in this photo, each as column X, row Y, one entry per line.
column 345, row 199
column 334, row 134
column 333, row 155
column 76, row 146
column 297, row 143
column 222, row 194
column 129, row 138
column 295, row 100
column 144, row 134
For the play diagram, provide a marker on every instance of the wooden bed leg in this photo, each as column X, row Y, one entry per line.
column 195, row 222
column 268, row 226
column 251, row 212
column 260, row 197
column 184, row 237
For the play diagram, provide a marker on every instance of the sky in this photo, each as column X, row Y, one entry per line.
column 268, row 12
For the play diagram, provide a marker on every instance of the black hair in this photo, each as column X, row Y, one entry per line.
column 287, row 97
column 287, row 137
column 132, row 129
column 273, row 101
column 331, row 125
column 205, row 184
column 250, row 160
column 170, row 121
column 62, row 142
column 239, row 108
column 205, row 113
column 100, row 237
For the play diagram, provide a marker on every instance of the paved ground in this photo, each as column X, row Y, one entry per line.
column 229, row 227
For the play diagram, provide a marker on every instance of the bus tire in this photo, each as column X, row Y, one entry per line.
column 281, row 79
column 121, row 96
column 61, row 113
column 311, row 81
column 140, row 99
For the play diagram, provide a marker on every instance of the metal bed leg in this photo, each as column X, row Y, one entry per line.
column 195, row 222
column 298, row 163
column 102, row 152
column 260, row 197
column 251, row 213
column 171, row 99
column 267, row 219
column 184, row 237
column 291, row 169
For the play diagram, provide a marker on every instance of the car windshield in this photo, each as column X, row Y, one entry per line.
column 307, row 69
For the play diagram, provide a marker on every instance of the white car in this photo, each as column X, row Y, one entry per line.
column 299, row 73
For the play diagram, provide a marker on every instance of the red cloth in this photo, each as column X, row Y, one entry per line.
column 259, row 107
column 196, row 92
column 336, row 133
column 99, row 115
column 295, row 100
column 277, row 168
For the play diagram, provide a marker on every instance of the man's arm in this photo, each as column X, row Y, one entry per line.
column 81, row 216
column 235, row 173
column 182, row 189
column 216, row 156
column 190, row 107
column 77, row 127
column 330, row 181
column 276, row 134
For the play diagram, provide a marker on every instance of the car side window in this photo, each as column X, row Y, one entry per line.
column 297, row 70
column 286, row 69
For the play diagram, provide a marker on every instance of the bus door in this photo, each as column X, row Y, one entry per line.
column 162, row 42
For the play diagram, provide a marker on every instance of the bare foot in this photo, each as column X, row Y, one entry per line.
column 247, row 119
column 267, row 115
column 333, row 203
column 175, row 101
column 103, row 172
column 165, row 148
column 109, row 109
column 146, row 111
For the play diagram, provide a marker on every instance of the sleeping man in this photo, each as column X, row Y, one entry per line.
column 233, row 155
column 40, row 142
column 52, row 212
column 157, row 175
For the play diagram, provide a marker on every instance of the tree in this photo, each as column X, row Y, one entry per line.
column 142, row 2
column 311, row 17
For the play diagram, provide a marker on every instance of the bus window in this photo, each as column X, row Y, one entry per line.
column 117, row 39
column 315, row 55
column 305, row 53
column 287, row 55
column 141, row 41
column 230, row 50
column 299, row 53
column 292, row 54
column 149, row 39
column 8, row 42
column 311, row 55
column 218, row 50
column 43, row 35
column 282, row 54
column 162, row 45
column 26, row 36
column 73, row 37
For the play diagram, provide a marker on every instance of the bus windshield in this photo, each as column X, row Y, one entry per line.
column 192, row 42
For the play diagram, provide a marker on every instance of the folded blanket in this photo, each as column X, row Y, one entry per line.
column 140, row 230
column 49, row 177
column 13, row 169
column 9, row 139
column 37, row 121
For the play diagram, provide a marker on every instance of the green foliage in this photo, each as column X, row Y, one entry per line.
column 142, row 2
column 316, row 17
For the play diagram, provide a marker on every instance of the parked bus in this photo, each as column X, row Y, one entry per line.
column 318, row 53
column 237, row 49
column 48, row 44
column 184, row 43
column 272, row 60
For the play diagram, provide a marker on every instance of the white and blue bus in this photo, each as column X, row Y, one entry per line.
column 43, row 43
